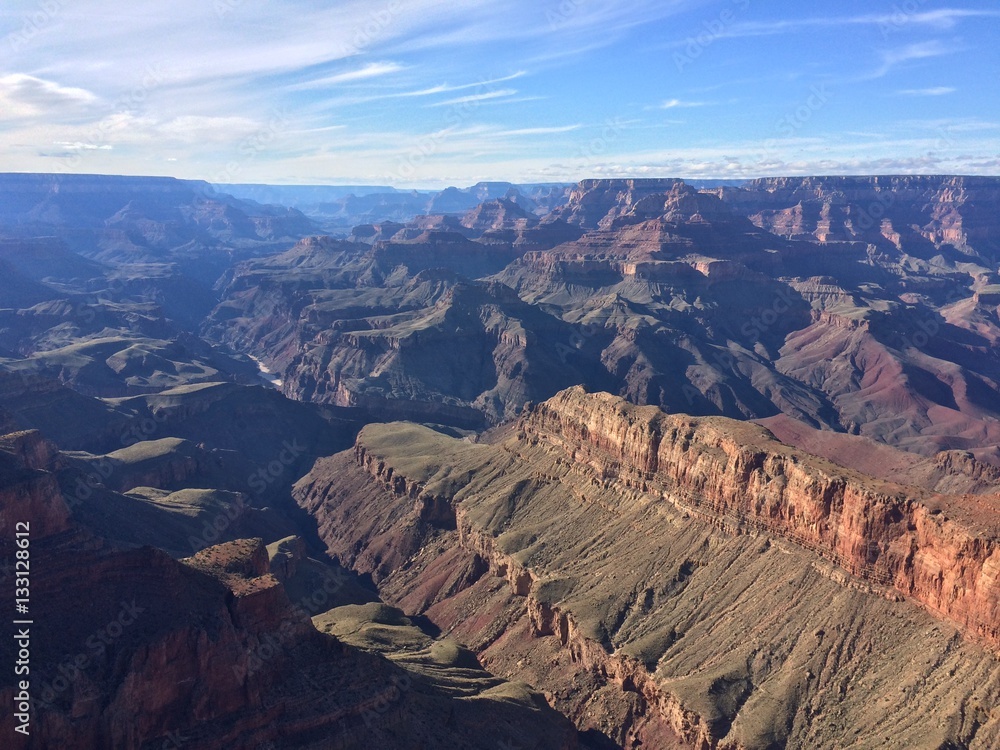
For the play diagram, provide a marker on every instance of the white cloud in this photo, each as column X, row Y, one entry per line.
column 445, row 88
column 475, row 98
column 943, row 18
column 540, row 131
column 372, row 70
column 23, row 95
column 679, row 104
column 916, row 51
column 220, row 74
column 79, row 145
column 197, row 129
column 934, row 91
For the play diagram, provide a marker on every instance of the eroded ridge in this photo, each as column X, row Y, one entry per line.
column 680, row 582
column 738, row 476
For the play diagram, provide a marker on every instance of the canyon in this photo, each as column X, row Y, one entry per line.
column 630, row 463
column 696, row 301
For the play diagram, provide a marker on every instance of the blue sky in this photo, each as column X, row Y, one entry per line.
column 425, row 92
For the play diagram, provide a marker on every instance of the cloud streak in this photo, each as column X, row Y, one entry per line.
column 917, row 51
column 23, row 95
column 943, row 18
column 476, row 98
column 372, row 70
column 934, row 91
column 680, row 104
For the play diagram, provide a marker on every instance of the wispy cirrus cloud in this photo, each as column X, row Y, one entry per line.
column 895, row 57
column 356, row 79
column 81, row 146
column 445, row 88
column 942, row 18
column 476, row 98
column 372, row 70
column 933, row 91
column 540, row 130
column 681, row 104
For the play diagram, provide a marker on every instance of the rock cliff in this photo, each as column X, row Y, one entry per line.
column 671, row 581
column 132, row 649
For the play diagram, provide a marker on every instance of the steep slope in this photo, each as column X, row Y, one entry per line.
column 132, row 649
column 672, row 581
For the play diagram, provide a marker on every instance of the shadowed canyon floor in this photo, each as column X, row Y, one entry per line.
column 134, row 649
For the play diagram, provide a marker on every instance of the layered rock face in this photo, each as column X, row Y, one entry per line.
column 935, row 549
column 361, row 326
column 679, row 582
column 957, row 211
column 133, row 649
column 879, row 319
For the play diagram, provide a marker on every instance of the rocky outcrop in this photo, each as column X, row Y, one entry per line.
column 679, row 582
column 739, row 476
column 132, row 649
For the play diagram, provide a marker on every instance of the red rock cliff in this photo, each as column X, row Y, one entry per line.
column 928, row 547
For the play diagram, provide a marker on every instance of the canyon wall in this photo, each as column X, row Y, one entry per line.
column 679, row 582
column 738, row 476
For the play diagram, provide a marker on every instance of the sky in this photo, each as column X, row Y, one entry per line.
column 427, row 93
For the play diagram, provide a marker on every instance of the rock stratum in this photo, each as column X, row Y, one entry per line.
column 708, row 468
column 858, row 305
column 133, row 649
column 672, row 581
